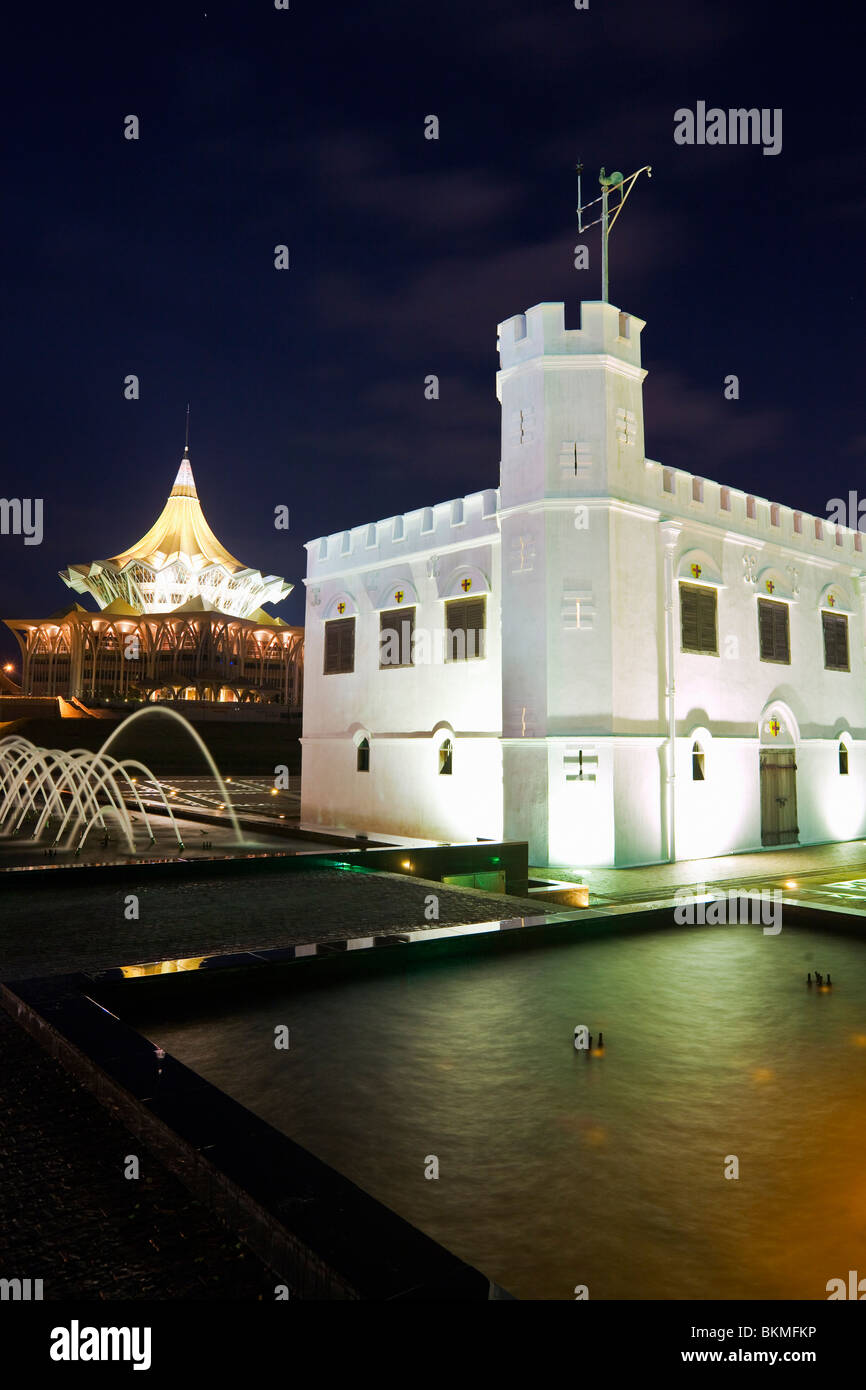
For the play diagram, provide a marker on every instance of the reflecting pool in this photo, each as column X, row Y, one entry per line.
column 559, row 1169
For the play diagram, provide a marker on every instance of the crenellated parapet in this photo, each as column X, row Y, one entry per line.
column 541, row 332
column 443, row 526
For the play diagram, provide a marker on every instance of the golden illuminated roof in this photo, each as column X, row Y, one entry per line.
column 180, row 532
column 120, row 608
column 266, row 619
column 178, row 566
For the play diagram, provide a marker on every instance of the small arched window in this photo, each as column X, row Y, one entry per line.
column 697, row 763
column 843, row 760
column 363, row 763
column 446, row 758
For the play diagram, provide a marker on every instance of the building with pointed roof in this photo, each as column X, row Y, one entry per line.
column 179, row 618
column 177, row 561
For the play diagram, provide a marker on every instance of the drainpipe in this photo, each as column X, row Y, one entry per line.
column 670, row 533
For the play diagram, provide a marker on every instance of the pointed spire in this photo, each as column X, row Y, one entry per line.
column 184, row 483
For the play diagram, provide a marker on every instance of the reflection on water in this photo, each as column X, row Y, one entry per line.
column 558, row 1169
column 161, row 967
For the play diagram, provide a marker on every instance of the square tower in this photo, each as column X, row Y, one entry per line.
column 572, row 403
column 572, row 445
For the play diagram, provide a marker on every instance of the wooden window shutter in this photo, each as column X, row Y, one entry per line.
column 689, row 619
column 475, row 615
column 339, row 646
column 465, row 620
column 707, row 620
column 835, row 627
column 781, row 643
column 396, row 629
column 773, row 631
column 698, row 626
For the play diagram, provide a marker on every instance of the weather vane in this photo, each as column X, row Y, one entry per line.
column 610, row 183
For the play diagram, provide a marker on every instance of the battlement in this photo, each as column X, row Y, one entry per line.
column 460, row 521
column 748, row 517
column 541, row 332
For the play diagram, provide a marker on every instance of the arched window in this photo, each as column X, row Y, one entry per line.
column 363, row 762
column 843, row 760
column 446, row 758
column 697, row 763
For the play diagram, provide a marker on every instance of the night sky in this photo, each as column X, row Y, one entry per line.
column 306, row 127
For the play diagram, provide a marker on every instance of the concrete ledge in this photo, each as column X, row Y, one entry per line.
column 430, row 862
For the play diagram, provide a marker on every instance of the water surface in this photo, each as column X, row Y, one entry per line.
column 558, row 1169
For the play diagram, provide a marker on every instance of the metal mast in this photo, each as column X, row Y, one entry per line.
column 610, row 184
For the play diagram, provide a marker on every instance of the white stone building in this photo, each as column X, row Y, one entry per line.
column 671, row 668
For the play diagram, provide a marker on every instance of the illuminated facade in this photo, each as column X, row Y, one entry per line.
column 180, row 619
column 661, row 667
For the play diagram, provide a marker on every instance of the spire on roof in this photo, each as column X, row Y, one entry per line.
column 177, row 561
column 184, row 483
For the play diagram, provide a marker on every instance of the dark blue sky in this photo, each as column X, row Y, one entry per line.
column 306, row 127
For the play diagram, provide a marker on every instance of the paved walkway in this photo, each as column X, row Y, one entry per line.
column 249, row 795
column 807, row 866
column 55, row 929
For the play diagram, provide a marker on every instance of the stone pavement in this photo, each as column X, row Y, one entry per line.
column 53, row 930
column 68, row 1216
column 808, row 866
column 255, row 796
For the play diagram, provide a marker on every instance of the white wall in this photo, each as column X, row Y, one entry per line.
column 403, row 793
column 573, row 564
column 406, row 712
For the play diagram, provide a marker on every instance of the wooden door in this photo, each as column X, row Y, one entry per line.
column 779, row 797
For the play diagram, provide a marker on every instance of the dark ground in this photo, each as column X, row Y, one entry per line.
column 53, row 930
column 68, row 1216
